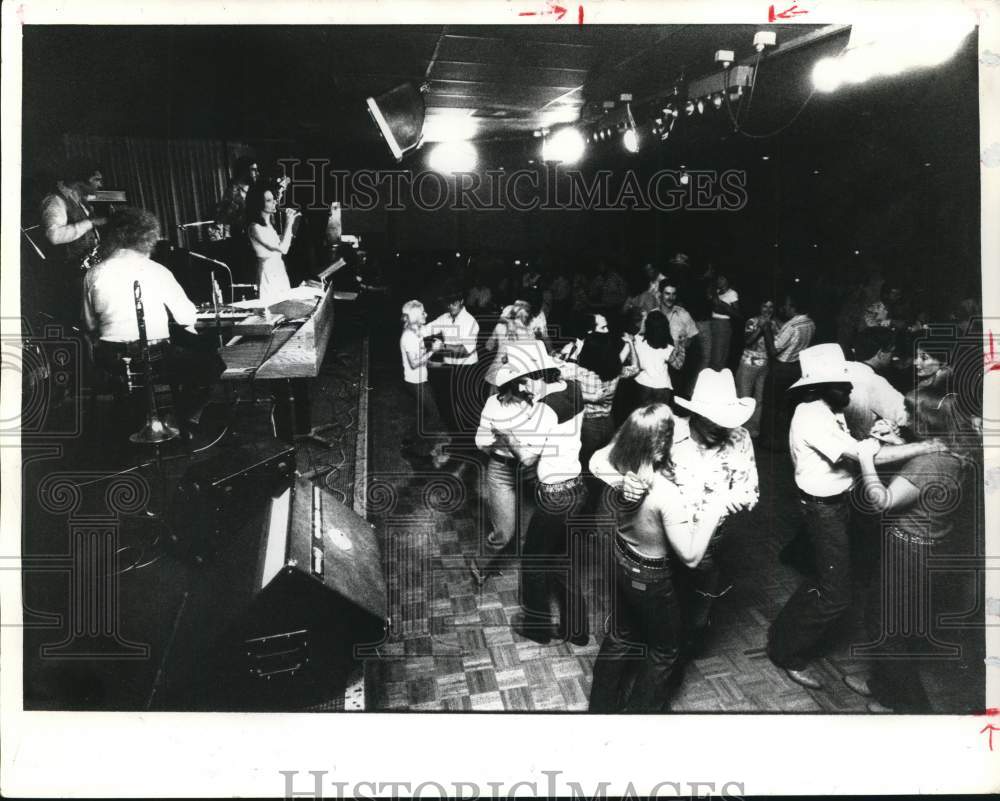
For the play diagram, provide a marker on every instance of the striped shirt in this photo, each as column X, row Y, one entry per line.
column 794, row 337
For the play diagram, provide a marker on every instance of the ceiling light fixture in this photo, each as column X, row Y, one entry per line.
column 453, row 157
column 565, row 146
column 631, row 136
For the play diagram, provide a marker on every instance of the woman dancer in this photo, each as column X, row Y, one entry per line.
column 637, row 657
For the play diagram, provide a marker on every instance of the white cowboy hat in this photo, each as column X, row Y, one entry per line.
column 822, row 364
column 714, row 398
column 524, row 358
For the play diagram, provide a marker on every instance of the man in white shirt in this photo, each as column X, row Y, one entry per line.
column 825, row 456
column 873, row 397
column 109, row 312
column 683, row 331
column 458, row 388
column 549, row 440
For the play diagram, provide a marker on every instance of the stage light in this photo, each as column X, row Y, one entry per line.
column 453, row 157
column 826, row 75
column 450, row 125
column 631, row 136
column 885, row 49
column 685, row 178
column 399, row 115
column 765, row 158
column 717, row 100
column 565, row 146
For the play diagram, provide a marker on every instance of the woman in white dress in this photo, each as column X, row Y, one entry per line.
column 272, row 278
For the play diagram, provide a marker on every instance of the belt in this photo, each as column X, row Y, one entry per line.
column 829, row 499
column 661, row 563
column 561, row 486
column 131, row 348
column 509, row 461
column 910, row 538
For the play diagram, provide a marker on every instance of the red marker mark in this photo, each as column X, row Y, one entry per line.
column 552, row 9
column 987, row 713
column 579, row 15
column 990, row 728
column 990, row 361
column 788, row 13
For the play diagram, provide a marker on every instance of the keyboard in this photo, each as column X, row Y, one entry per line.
column 227, row 316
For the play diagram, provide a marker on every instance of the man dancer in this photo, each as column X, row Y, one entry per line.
column 550, row 441
column 783, row 351
column 457, row 386
column 824, row 454
column 684, row 333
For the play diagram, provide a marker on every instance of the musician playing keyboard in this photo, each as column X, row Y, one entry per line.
column 109, row 313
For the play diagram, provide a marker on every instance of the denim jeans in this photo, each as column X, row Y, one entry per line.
column 777, row 415
column 425, row 428
column 551, row 585
column 750, row 381
column 632, row 671
column 722, row 335
column 819, row 602
column 898, row 622
column 646, row 395
column 505, row 485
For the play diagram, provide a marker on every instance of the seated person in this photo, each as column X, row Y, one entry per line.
column 109, row 312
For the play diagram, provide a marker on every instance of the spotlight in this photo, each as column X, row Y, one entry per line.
column 399, row 115
column 725, row 58
column 685, row 178
column 717, row 100
column 765, row 158
column 631, row 137
column 453, row 157
column 566, row 146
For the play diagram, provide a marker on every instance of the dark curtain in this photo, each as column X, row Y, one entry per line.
column 179, row 180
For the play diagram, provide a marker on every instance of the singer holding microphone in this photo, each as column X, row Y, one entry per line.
column 268, row 246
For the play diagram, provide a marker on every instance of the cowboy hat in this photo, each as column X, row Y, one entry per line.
column 714, row 398
column 524, row 358
column 822, row 364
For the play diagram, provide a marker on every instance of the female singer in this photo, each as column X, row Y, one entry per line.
column 272, row 278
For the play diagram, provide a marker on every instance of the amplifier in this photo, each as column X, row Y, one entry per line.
column 216, row 497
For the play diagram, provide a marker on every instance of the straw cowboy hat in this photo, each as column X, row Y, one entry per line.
column 822, row 364
column 714, row 398
column 524, row 358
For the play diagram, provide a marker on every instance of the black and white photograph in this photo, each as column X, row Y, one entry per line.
column 486, row 388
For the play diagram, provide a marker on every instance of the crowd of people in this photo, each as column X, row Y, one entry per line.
column 647, row 402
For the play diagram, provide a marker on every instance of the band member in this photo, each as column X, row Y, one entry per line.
column 70, row 227
column 269, row 247
column 109, row 312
